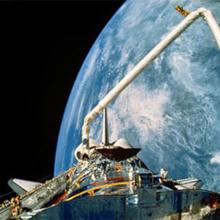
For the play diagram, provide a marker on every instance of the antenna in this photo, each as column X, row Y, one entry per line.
column 105, row 137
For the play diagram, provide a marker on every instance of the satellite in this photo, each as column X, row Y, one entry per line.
column 109, row 180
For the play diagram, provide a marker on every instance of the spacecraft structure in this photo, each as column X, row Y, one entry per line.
column 109, row 180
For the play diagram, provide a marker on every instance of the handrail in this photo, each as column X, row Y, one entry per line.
column 91, row 190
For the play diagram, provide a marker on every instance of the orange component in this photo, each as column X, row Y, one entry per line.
column 91, row 193
column 60, row 198
column 213, row 202
column 118, row 167
column 182, row 11
column 110, row 180
column 98, row 183
column 115, row 179
column 14, row 211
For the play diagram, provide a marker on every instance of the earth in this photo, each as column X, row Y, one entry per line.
column 172, row 109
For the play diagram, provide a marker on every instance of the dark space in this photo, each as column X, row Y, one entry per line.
column 43, row 45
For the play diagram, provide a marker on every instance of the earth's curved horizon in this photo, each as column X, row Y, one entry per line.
column 172, row 110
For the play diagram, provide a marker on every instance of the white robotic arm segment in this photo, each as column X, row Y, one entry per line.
column 155, row 52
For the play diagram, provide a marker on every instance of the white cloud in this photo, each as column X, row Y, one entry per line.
column 139, row 109
column 216, row 158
